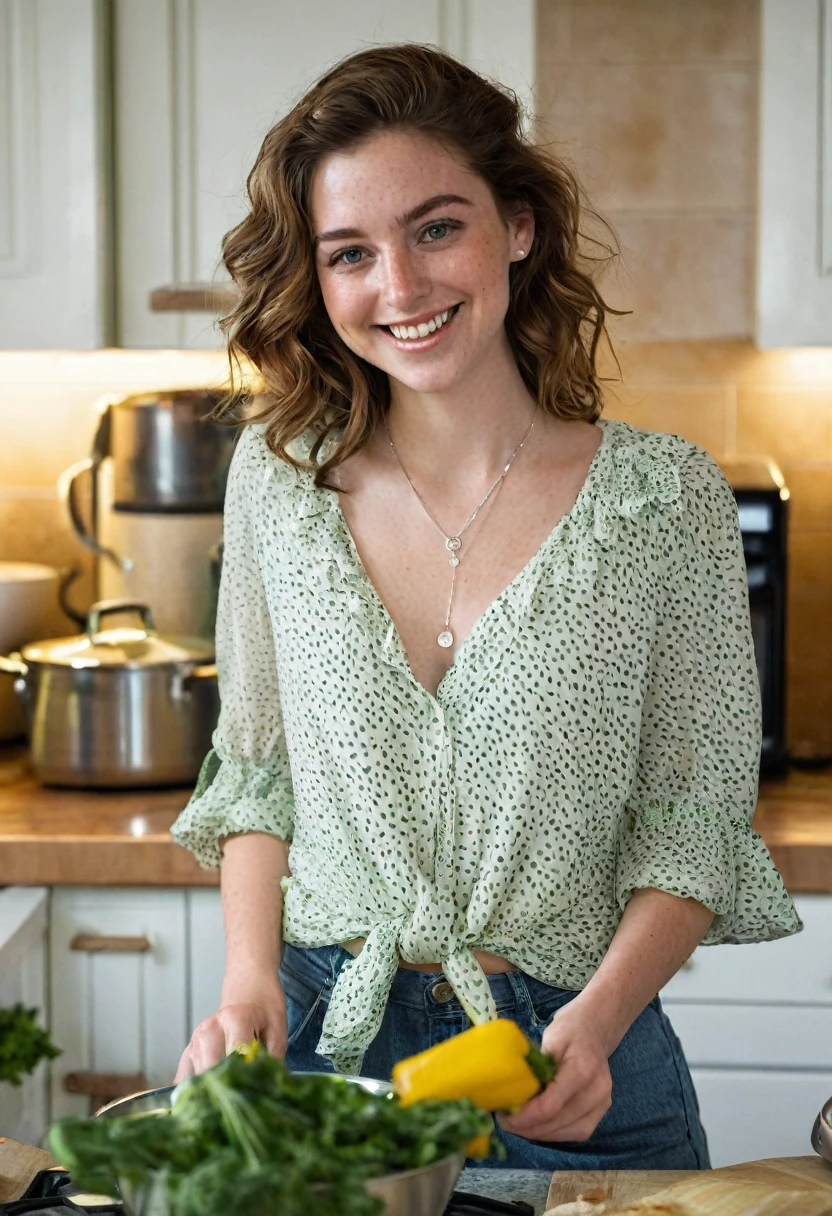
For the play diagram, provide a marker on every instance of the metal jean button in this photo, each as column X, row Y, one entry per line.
column 442, row 992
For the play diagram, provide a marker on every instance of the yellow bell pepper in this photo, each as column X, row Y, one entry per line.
column 494, row 1065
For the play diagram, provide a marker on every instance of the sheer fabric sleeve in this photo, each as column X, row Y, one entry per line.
column 245, row 784
column 687, row 828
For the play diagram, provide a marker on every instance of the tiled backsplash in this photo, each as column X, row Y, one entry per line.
column 737, row 401
column 654, row 103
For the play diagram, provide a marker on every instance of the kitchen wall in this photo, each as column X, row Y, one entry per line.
column 654, row 103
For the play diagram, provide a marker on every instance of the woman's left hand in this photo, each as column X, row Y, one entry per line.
column 571, row 1106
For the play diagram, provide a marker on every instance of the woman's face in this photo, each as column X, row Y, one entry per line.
column 407, row 235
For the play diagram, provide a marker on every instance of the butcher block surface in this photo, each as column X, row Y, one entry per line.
column 90, row 837
column 608, row 1191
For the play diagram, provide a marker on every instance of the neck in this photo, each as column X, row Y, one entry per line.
column 464, row 435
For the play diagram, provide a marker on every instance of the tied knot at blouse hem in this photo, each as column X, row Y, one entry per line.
column 598, row 732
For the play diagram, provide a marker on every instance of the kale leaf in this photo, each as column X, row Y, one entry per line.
column 249, row 1137
column 23, row 1044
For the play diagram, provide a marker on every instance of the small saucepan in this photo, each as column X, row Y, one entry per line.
column 119, row 707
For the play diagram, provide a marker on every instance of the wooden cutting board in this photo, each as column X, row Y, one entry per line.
column 625, row 1186
column 18, row 1165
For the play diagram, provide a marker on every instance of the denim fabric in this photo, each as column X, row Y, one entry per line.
column 653, row 1122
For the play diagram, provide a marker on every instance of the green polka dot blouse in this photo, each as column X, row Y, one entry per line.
column 598, row 732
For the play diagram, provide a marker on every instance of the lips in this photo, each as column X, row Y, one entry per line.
column 428, row 332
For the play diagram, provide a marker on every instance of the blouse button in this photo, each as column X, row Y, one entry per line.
column 442, row 992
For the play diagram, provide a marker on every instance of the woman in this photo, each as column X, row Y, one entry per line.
column 485, row 659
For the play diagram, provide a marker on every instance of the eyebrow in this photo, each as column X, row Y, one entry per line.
column 409, row 217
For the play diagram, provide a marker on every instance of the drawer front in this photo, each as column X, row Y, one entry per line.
column 793, row 970
column 766, row 1036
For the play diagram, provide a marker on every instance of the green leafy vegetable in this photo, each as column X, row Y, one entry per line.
column 249, row 1137
column 23, row 1044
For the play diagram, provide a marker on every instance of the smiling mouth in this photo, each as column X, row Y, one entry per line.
column 417, row 333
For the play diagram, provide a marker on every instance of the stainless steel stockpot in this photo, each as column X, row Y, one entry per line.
column 120, row 707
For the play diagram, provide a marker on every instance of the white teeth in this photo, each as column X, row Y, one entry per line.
column 422, row 330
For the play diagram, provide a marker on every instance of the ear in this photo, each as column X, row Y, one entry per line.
column 521, row 229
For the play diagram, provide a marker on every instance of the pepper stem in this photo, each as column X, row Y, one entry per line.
column 543, row 1066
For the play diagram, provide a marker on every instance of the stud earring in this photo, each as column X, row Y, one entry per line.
column 521, row 253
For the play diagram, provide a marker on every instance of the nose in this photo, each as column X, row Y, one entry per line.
column 405, row 283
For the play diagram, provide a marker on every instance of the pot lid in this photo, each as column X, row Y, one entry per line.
column 121, row 647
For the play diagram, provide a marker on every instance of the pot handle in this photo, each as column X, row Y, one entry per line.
column 13, row 665
column 108, row 607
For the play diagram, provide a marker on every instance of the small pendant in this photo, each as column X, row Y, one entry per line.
column 445, row 639
column 453, row 561
column 453, row 544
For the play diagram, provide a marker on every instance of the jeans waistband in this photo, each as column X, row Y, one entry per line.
column 430, row 991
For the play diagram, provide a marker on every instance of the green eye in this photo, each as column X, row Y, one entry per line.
column 431, row 231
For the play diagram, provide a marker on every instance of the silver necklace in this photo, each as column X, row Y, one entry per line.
column 453, row 543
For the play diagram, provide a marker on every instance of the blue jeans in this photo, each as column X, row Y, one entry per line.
column 653, row 1122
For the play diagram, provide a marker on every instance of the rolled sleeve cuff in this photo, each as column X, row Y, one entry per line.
column 698, row 852
column 231, row 797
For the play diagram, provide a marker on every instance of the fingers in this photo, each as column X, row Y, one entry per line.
column 207, row 1046
column 186, row 1068
column 273, row 1037
column 570, row 1108
column 225, row 1030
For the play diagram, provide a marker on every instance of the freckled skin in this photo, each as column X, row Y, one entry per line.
column 405, row 273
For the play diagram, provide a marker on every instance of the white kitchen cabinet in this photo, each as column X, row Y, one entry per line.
column 206, row 953
column 751, row 1115
column 54, row 175
column 23, row 927
column 794, row 228
column 119, row 984
column 756, row 1025
column 197, row 85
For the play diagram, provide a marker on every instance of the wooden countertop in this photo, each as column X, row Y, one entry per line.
column 120, row 838
column 90, row 837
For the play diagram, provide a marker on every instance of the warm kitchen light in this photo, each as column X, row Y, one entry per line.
column 138, row 826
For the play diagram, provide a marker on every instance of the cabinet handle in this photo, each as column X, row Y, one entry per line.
column 96, row 943
column 104, row 1087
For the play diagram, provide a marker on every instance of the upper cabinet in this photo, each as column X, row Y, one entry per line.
column 54, row 174
column 197, row 85
column 794, row 238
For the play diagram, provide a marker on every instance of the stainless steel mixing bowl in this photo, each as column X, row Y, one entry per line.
column 422, row 1192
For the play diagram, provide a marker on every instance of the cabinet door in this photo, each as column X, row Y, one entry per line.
column 198, row 86
column 118, row 1007
column 794, row 222
column 54, row 188
column 24, row 1112
column 755, row 1114
column 206, row 953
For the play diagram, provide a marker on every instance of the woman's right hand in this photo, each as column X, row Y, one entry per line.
column 248, row 1011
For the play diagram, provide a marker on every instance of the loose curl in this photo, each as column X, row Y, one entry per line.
column 311, row 379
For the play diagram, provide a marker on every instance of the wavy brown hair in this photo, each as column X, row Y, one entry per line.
column 311, row 379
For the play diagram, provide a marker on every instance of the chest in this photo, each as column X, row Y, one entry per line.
column 406, row 558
